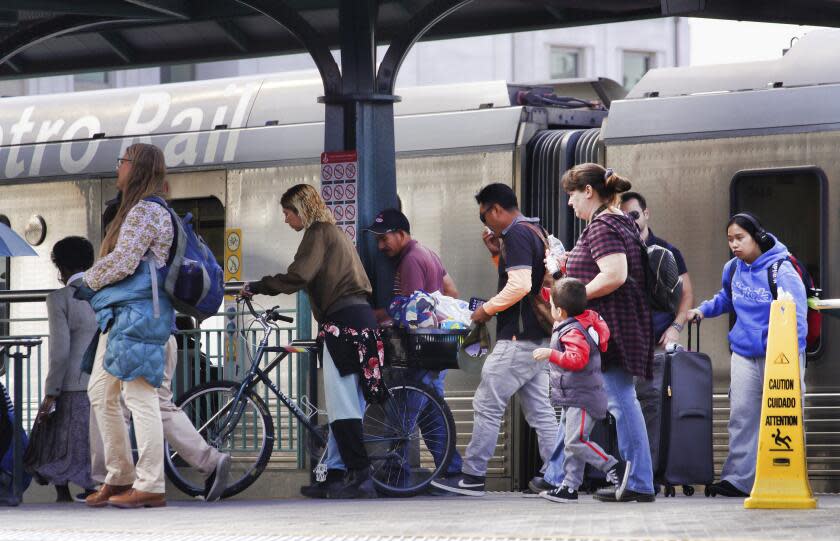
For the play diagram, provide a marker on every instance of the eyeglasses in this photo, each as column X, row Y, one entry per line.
column 121, row 160
column 634, row 214
column 483, row 215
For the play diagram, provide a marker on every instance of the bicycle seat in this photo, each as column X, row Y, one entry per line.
column 304, row 343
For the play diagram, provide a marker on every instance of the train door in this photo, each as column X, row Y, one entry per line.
column 791, row 204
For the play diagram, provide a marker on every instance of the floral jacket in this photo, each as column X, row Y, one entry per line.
column 347, row 345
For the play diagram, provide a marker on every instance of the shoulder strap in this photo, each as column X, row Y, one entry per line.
column 773, row 276
column 538, row 231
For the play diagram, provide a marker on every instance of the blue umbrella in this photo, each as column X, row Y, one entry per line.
column 11, row 244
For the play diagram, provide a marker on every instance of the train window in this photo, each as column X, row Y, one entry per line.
column 792, row 204
column 208, row 221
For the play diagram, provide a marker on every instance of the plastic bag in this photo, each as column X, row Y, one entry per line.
column 415, row 311
column 451, row 309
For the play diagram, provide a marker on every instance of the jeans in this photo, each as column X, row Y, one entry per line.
column 632, row 435
column 431, row 426
column 746, row 388
column 510, row 368
column 649, row 393
column 430, row 423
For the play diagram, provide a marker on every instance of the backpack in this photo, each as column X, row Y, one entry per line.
column 540, row 305
column 663, row 283
column 814, row 317
column 191, row 277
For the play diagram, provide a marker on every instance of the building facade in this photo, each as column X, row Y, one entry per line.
column 620, row 51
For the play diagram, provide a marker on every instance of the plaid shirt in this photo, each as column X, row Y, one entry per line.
column 626, row 309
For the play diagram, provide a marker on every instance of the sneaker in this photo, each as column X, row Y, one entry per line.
column 320, row 490
column 82, row 496
column 357, row 484
column 727, row 489
column 608, row 495
column 561, row 494
column 466, row 484
column 536, row 486
column 217, row 482
column 618, row 476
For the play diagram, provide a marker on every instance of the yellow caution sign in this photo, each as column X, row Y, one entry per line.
column 781, row 473
column 233, row 256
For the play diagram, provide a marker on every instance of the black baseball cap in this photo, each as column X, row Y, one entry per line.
column 389, row 220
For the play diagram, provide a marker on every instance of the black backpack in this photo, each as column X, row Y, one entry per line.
column 663, row 283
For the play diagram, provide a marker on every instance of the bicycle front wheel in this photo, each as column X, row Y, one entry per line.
column 247, row 437
column 410, row 439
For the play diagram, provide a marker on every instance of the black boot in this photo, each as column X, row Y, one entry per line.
column 62, row 494
column 319, row 490
column 357, row 484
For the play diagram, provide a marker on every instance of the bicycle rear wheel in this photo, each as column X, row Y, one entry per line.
column 249, row 443
column 410, row 439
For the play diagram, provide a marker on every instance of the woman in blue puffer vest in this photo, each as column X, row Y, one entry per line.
column 135, row 319
column 746, row 292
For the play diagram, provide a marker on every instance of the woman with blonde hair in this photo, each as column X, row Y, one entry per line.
column 328, row 268
column 135, row 319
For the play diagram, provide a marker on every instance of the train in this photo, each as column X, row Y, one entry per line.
column 699, row 142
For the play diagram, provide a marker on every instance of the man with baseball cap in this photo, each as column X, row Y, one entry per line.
column 418, row 268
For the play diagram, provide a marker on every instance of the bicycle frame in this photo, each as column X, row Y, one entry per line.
column 254, row 375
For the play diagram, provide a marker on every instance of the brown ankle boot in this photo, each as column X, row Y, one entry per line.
column 100, row 497
column 134, row 498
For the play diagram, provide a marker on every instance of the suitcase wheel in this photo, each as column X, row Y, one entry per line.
column 688, row 490
column 708, row 491
column 669, row 491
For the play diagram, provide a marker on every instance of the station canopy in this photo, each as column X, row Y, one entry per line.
column 44, row 37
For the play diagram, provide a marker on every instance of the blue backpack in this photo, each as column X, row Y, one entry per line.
column 192, row 277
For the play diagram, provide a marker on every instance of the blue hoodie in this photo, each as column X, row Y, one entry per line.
column 751, row 298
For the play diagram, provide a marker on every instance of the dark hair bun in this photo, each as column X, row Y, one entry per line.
column 617, row 184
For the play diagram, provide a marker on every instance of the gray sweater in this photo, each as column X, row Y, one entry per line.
column 72, row 326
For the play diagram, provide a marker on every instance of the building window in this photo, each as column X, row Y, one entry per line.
column 635, row 65
column 91, row 80
column 178, row 73
column 791, row 204
column 564, row 63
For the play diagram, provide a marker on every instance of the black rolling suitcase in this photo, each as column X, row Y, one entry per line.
column 685, row 451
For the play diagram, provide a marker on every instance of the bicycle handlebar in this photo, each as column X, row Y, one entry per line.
column 269, row 315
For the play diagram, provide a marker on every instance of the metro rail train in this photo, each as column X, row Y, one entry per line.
column 698, row 142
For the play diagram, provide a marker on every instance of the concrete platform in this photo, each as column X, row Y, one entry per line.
column 498, row 516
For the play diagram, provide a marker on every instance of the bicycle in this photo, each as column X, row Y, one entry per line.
column 234, row 419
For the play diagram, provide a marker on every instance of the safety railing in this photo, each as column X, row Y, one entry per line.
column 204, row 355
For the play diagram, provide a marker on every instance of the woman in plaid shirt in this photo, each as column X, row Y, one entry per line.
column 608, row 259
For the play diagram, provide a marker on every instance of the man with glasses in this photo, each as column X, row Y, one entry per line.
column 667, row 326
column 510, row 367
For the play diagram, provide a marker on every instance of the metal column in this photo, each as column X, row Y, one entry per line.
column 367, row 126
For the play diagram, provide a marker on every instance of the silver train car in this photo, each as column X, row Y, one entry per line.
column 698, row 142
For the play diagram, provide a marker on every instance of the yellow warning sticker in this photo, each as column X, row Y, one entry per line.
column 781, row 475
column 233, row 255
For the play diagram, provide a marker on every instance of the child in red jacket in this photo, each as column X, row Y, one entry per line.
column 578, row 338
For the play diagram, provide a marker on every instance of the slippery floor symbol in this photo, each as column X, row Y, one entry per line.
column 781, row 440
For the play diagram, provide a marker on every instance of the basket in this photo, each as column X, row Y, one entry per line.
column 428, row 349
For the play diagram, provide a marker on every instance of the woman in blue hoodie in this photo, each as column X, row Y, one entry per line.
column 746, row 291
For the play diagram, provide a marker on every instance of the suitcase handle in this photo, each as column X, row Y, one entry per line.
column 697, row 344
